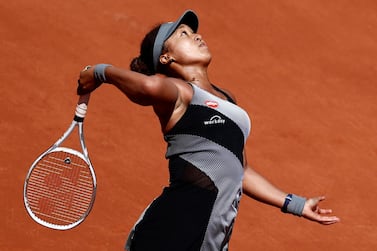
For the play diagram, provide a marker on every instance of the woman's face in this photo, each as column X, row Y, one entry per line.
column 187, row 48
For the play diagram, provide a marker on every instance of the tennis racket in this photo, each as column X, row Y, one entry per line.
column 60, row 186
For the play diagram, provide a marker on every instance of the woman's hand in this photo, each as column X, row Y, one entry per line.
column 87, row 82
column 314, row 213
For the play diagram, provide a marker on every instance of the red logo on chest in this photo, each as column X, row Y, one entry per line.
column 212, row 104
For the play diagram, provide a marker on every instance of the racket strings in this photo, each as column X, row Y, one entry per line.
column 60, row 188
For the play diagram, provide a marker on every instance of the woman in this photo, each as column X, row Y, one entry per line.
column 205, row 132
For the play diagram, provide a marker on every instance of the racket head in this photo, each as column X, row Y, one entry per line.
column 60, row 188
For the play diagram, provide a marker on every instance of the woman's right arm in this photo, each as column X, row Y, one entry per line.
column 139, row 88
column 158, row 91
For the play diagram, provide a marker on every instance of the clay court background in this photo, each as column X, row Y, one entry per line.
column 305, row 70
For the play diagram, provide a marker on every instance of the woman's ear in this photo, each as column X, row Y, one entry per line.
column 166, row 59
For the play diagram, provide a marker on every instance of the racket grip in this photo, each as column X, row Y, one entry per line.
column 82, row 106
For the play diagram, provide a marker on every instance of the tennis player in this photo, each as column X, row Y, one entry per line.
column 205, row 131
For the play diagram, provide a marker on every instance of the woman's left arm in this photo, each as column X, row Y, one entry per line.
column 259, row 188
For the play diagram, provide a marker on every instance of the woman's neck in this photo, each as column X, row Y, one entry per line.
column 198, row 77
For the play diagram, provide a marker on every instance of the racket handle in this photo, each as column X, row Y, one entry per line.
column 82, row 106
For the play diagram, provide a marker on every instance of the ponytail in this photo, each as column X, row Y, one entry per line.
column 144, row 62
column 138, row 65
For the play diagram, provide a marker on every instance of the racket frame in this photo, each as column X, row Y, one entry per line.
column 77, row 122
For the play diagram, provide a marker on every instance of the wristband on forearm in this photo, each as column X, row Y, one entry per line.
column 293, row 204
column 99, row 73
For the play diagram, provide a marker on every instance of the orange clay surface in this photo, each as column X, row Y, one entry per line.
column 305, row 70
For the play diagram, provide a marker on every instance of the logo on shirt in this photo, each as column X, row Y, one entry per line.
column 211, row 104
column 214, row 120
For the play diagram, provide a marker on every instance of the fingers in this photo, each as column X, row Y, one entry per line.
column 84, row 81
column 321, row 219
column 324, row 211
column 313, row 212
column 80, row 90
column 313, row 202
column 87, row 67
column 318, row 199
column 328, row 220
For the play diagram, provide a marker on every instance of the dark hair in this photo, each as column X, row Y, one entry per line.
column 144, row 62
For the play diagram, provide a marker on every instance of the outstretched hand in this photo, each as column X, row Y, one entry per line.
column 313, row 212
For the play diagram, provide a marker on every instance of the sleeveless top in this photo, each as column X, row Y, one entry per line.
column 205, row 150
